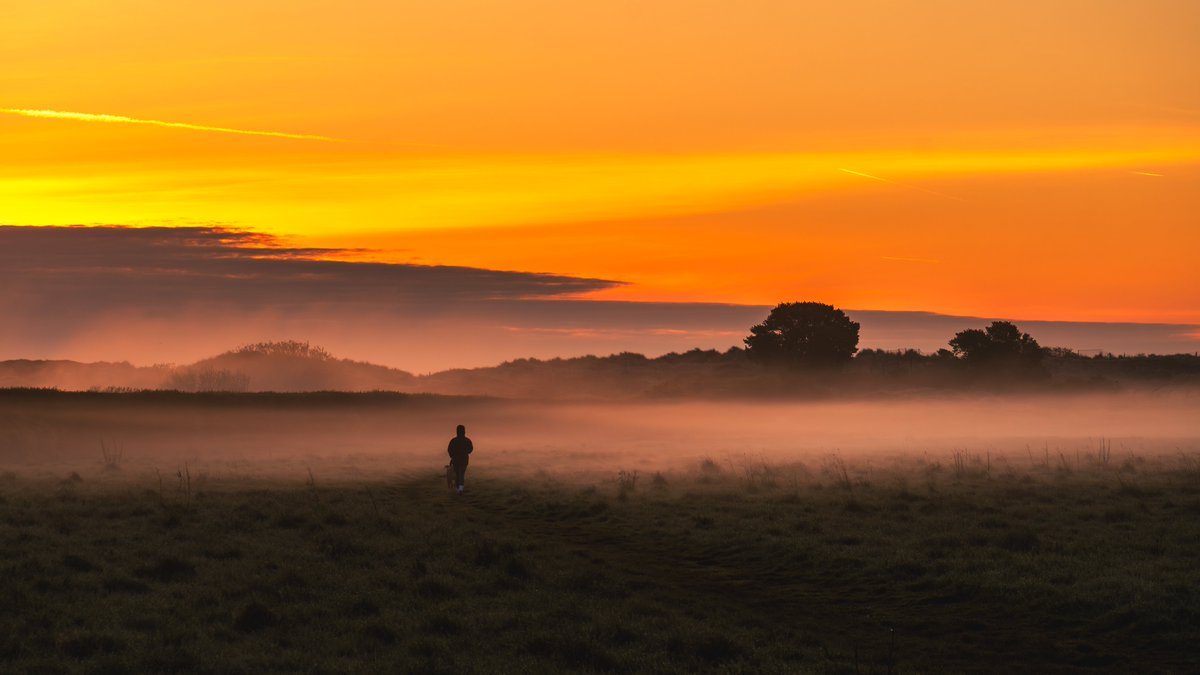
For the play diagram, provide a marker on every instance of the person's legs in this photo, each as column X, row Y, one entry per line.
column 460, row 471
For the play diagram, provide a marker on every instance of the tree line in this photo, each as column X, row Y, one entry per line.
column 814, row 333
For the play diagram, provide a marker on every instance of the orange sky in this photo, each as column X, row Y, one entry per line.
column 1036, row 160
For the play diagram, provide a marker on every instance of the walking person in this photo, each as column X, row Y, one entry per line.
column 460, row 453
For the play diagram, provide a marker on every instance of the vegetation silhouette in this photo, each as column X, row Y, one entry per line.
column 803, row 333
column 204, row 378
column 283, row 348
column 1000, row 343
column 819, row 336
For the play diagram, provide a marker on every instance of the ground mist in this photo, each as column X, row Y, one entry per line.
column 314, row 533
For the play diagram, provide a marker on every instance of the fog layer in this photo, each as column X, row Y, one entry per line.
column 49, row 431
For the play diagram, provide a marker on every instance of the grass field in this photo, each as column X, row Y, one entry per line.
column 955, row 563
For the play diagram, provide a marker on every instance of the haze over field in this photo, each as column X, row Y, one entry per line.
column 755, row 538
column 267, row 435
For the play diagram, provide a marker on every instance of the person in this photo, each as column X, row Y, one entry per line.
column 460, row 453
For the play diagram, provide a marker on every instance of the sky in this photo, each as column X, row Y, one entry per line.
column 1038, row 161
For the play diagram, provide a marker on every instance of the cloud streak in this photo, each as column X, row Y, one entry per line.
column 91, row 269
column 903, row 185
column 179, row 294
column 121, row 119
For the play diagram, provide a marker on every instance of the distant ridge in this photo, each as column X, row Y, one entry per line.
column 297, row 366
column 285, row 366
column 289, row 365
column 73, row 375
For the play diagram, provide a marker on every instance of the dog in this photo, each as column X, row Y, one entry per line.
column 450, row 476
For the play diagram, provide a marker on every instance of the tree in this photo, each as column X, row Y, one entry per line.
column 804, row 333
column 1001, row 343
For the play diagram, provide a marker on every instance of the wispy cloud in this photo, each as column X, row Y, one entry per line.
column 903, row 185
column 121, row 119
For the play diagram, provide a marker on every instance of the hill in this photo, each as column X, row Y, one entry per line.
column 285, row 366
column 73, row 375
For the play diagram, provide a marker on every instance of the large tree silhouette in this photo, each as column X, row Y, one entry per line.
column 1001, row 343
column 804, row 333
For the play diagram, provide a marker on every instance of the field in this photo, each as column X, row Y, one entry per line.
column 1053, row 558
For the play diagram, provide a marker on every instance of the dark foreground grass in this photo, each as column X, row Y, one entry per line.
column 723, row 569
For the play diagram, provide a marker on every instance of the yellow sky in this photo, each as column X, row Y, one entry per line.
column 1029, row 159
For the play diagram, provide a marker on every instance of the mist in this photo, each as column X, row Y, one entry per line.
column 372, row 436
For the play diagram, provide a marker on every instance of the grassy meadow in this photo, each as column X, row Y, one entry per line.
column 949, row 562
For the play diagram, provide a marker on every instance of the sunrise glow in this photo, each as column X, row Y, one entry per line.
column 697, row 154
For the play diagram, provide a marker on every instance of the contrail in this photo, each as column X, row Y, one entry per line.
column 89, row 117
column 1147, row 173
column 903, row 185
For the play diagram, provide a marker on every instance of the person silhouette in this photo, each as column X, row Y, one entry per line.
column 460, row 453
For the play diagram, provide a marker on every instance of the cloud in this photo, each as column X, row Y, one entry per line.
column 121, row 119
column 179, row 294
column 928, row 331
column 99, row 268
